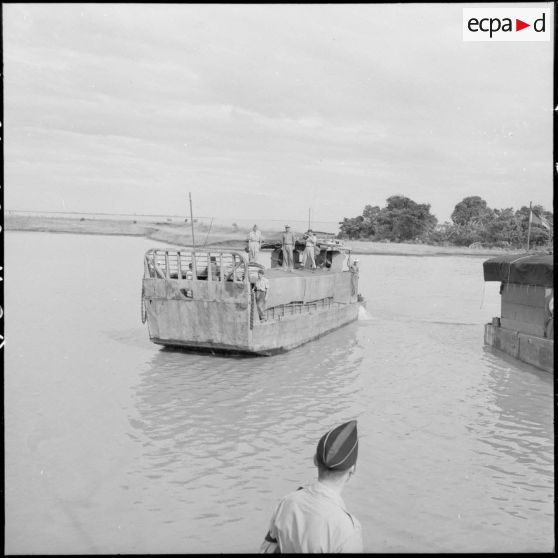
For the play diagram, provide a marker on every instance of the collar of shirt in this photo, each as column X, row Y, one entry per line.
column 320, row 488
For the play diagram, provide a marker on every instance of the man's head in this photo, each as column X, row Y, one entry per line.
column 260, row 272
column 310, row 231
column 337, row 451
column 287, row 228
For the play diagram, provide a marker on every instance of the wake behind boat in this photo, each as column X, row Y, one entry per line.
column 205, row 299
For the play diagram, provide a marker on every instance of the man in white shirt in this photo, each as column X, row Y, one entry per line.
column 309, row 249
column 254, row 243
column 287, row 244
column 314, row 518
column 261, row 287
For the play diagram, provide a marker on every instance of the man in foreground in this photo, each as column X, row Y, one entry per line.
column 314, row 518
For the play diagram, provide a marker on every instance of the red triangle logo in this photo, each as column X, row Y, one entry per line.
column 519, row 25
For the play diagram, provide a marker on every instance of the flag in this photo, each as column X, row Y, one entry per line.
column 535, row 219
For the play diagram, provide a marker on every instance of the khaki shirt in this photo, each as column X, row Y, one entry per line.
column 288, row 238
column 310, row 240
column 314, row 519
column 262, row 284
column 255, row 236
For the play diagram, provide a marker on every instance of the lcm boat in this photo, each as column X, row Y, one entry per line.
column 525, row 328
column 203, row 299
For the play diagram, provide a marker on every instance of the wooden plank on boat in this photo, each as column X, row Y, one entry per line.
column 537, row 351
column 523, row 327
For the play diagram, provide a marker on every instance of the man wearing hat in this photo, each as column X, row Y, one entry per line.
column 309, row 249
column 254, row 243
column 261, row 287
column 314, row 518
column 287, row 244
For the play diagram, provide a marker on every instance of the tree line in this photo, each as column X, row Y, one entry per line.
column 472, row 223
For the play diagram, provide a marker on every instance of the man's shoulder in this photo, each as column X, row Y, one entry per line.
column 355, row 522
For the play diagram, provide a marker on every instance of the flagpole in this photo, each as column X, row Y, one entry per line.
column 530, row 219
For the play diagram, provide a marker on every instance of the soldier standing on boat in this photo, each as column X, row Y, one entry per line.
column 309, row 249
column 287, row 244
column 314, row 518
column 254, row 243
column 262, row 288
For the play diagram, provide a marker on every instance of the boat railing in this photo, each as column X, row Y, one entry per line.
column 203, row 265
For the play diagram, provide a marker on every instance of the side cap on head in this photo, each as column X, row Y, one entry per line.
column 338, row 449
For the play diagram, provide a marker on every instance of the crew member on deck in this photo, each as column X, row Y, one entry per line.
column 262, row 288
column 314, row 518
column 287, row 244
column 309, row 249
column 254, row 243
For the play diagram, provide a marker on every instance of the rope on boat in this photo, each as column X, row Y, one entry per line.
column 143, row 308
column 252, row 304
column 210, row 225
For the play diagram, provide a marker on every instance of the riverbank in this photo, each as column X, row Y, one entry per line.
column 180, row 234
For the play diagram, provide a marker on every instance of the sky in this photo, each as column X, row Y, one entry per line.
column 269, row 111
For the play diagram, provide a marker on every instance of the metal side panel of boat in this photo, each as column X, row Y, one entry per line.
column 198, row 323
column 288, row 332
column 537, row 351
column 267, row 338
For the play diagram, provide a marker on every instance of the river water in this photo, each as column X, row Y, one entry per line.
column 114, row 445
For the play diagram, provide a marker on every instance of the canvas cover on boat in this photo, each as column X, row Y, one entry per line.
column 525, row 269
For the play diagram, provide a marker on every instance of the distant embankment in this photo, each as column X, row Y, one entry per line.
column 179, row 234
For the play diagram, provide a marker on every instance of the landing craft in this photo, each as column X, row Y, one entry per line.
column 525, row 328
column 204, row 299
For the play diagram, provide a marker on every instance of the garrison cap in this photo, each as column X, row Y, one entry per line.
column 338, row 449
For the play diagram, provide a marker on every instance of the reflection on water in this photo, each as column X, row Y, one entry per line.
column 223, row 408
column 114, row 445
column 215, row 431
column 517, row 433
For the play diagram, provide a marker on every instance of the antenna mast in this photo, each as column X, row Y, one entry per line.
column 192, row 222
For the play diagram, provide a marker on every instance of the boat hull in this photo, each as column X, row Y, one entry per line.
column 207, row 301
column 531, row 349
column 275, row 336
